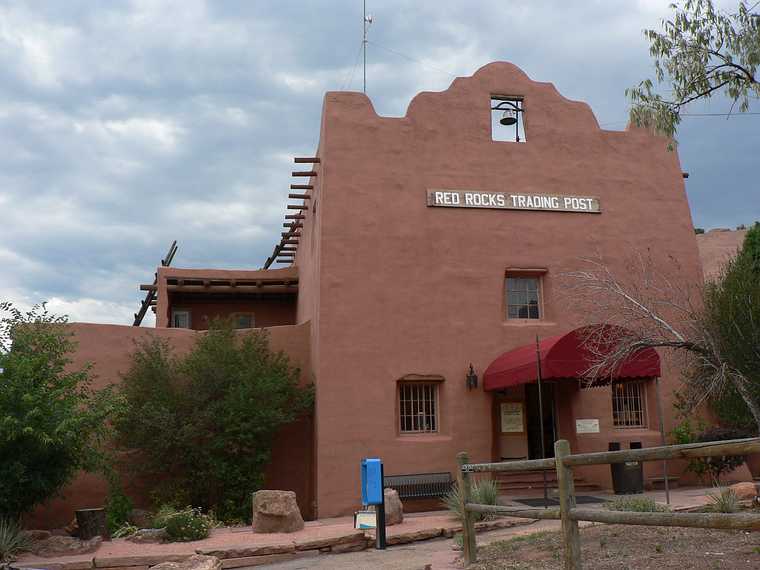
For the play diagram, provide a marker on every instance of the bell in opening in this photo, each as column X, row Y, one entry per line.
column 508, row 118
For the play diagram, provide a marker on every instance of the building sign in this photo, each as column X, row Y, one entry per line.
column 511, row 417
column 512, row 201
column 586, row 426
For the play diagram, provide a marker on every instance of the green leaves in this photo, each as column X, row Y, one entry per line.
column 701, row 51
column 205, row 422
column 51, row 422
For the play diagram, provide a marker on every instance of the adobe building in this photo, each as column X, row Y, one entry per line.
column 419, row 262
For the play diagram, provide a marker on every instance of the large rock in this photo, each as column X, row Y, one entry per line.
column 64, row 546
column 276, row 511
column 194, row 562
column 744, row 490
column 148, row 535
column 394, row 510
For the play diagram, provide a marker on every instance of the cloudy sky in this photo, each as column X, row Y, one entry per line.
column 127, row 124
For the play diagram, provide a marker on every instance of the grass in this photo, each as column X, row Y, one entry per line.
column 725, row 501
column 635, row 503
column 12, row 540
column 484, row 492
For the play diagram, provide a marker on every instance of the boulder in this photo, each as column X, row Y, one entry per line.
column 194, row 562
column 394, row 510
column 141, row 518
column 148, row 535
column 276, row 511
column 64, row 546
column 745, row 490
column 35, row 535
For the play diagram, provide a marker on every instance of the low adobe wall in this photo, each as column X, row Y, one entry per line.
column 109, row 347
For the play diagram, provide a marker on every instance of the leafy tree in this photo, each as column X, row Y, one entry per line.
column 52, row 424
column 701, row 51
column 204, row 423
column 732, row 308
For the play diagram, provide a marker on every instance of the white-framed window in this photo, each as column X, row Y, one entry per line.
column 181, row 319
column 244, row 321
column 418, row 407
column 523, row 295
column 629, row 404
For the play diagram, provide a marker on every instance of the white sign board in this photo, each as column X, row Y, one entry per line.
column 586, row 426
column 512, row 201
column 511, row 417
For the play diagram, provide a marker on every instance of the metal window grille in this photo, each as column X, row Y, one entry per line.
column 418, row 407
column 523, row 295
column 628, row 404
column 181, row 319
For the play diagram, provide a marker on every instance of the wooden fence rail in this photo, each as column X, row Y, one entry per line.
column 570, row 515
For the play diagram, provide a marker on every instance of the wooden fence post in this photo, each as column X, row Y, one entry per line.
column 468, row 524
column 570, row 534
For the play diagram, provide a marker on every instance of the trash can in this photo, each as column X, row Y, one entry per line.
column 628, row 477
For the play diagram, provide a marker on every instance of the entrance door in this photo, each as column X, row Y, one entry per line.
column 534, row 419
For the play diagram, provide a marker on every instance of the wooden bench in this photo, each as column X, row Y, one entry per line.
column 419, row 485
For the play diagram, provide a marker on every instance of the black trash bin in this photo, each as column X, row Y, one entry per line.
column 628, row 477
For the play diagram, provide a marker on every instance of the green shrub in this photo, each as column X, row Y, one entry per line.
column 118, row 509
column 52, row 423
column 635, row 503
column 725, row 501
column 483, row 492
column 188, row 524
column 717, row 466
column 205, row 423
column 12, row 540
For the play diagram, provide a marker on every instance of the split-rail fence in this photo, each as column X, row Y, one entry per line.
column 567, row 512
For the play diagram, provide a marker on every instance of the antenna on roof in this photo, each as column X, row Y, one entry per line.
column 367, row 23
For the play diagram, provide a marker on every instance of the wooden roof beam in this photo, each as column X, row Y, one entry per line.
column 299, row 196
column 307, row 160
column 308, row 173
column 302, row 187
column 297, row 207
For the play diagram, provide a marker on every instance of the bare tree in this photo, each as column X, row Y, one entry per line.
column 644, row 309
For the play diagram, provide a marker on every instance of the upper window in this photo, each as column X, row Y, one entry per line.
column 244, row 321
column 523, row 297
column 629, row 404
column 418, row 407
column 507, row 119
column 181, row 319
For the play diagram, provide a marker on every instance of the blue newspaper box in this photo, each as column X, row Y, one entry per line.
column 372, row 481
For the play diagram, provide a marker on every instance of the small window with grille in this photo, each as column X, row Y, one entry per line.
column 244, row 320
column 523, row 297
column 418, row 407
column 629, row 404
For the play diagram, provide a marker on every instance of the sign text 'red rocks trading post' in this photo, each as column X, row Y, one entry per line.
column 513, row 201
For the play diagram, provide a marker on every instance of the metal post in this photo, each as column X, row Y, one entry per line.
column 662, row 439
column 468, row 524
column 570, row 533
column 380, row 517
column 541, row 418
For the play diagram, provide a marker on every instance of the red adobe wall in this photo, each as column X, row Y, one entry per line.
column 108, row 348
column 405, row 289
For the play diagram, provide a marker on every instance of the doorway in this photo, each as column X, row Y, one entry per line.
column 533, row 419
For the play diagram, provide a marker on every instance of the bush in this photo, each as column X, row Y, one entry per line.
column 12, row 540
column 484, row 492
column 726, row 501
column 635, row 503
column 717, row 466
column 204, row 423
column 52, row 423
column 185, row 525
column 118, row 509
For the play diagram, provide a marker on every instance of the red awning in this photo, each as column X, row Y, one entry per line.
column 562, row 356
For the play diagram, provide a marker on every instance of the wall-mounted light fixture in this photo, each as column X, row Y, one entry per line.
column 471, row 379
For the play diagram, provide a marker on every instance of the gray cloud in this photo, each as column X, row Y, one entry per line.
column 124, row 125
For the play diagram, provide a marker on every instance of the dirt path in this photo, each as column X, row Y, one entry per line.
column 416, row 556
